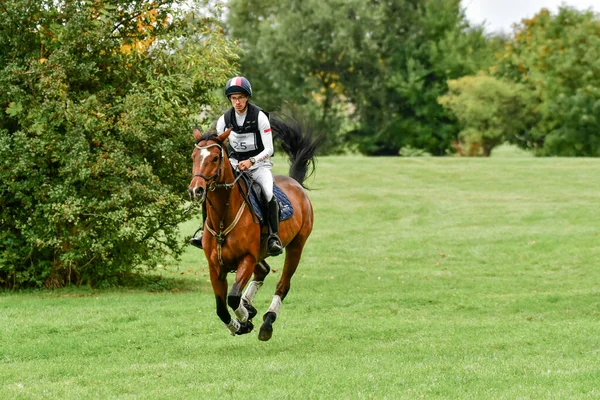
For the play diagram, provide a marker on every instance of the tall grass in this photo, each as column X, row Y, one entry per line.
column 423, row 278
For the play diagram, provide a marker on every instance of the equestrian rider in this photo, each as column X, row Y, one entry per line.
column 250, row 149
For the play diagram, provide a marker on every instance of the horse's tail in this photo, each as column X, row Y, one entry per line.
column 300, row 144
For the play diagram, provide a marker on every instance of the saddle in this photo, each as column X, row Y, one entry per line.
column 258, row 205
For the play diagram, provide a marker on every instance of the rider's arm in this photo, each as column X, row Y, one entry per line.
column 264, row 128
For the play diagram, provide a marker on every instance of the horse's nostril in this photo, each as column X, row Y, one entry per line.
column 198, row 192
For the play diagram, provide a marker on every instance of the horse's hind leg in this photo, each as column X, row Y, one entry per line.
column 261, row 271
column 292, row 258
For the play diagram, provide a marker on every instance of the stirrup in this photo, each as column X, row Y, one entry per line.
column 274, row 246
column 197, row 241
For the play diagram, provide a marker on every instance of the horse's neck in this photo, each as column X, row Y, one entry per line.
column 224, row 203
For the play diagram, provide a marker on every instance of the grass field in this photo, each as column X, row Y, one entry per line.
column 435, row 278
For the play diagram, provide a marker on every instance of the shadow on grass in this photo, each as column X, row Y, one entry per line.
column 151, row 282
column 132, row 282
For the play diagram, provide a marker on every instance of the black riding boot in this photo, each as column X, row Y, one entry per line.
column 196, row 241
column 274, row 246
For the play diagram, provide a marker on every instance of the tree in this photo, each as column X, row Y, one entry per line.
column 558, row 58
column 418, row 50
column 294, row 53
column 98, row 102
column 491, row 111
column 381, row 65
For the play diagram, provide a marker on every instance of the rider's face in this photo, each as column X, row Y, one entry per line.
column 239, row 101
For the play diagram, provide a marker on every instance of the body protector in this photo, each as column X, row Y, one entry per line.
column 248, row 142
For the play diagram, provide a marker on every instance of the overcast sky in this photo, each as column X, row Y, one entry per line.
column 501, row 14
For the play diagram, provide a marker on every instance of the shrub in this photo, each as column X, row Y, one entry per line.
column 98, row 103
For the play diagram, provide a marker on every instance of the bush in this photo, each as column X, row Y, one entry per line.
column 99, row 101
column 557, row 57
column 490, row 111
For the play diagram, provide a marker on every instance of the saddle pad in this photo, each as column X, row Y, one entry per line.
column 285, row 206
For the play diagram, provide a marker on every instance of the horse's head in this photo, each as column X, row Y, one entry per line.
column 208, row 157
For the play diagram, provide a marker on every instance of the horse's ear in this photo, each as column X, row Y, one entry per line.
column 197, row 133
column 223, row 136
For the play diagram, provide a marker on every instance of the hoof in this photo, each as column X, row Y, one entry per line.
column 266, row 330
column 251, row 310
column 245, row 327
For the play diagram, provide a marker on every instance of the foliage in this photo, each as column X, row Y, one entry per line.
column 491, row 111
column 380, row 66
column 409, row 151
column 415, row 51
column 558, row 58
column 294, row 53
column 98, row 101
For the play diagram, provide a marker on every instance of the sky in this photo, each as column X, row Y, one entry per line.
column 499, row 15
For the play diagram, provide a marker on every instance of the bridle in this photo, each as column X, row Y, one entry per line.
column 213, row 180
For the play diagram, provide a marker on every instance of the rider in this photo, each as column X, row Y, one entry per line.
column 251, row 146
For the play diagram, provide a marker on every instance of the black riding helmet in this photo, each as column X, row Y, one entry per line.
column 239, row 84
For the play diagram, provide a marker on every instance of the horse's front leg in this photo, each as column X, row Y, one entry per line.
column 234, row 299
column 219, row 284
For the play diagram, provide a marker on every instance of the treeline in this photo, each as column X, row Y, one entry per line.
column 98, row 100
column 414, row 76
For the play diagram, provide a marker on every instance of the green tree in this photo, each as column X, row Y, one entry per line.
column 98, row 100
column 294, row 52
column 490, row 111
column 378, row 65
column 418, row 49
column 558, row 58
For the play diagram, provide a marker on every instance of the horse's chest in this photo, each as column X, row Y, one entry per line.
column 235, row 250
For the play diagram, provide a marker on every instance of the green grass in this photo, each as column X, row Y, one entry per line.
column 430, row 278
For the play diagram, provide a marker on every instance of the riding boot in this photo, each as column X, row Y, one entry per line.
column 196, row 241
column 274, row 245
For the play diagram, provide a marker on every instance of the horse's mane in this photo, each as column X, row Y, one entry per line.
column 209, row 135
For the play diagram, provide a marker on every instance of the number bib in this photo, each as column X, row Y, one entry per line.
column 243, row 142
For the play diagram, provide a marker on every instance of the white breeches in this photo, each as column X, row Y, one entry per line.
column 264, row 177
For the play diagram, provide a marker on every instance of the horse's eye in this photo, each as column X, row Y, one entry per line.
column 215, row 159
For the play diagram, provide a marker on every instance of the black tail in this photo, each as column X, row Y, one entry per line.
column 299, row 144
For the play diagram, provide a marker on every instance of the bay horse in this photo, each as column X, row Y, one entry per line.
column 232, row 237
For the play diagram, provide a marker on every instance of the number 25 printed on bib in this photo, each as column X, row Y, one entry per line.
column 243, row 144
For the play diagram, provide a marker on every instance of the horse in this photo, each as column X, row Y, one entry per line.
column 232, row 237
